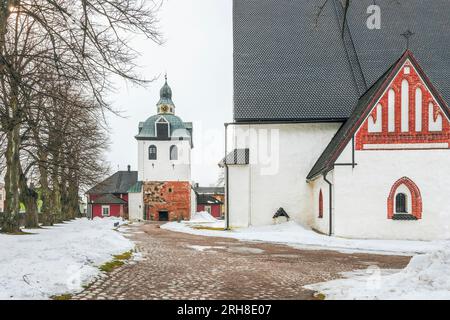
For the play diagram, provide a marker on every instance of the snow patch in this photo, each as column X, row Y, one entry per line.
column 297, row 236
column 425, row 277
column 59, row 259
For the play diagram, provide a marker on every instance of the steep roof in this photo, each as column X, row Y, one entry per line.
column 206, row 199
column 365, row 104
column 288, row 67
column 210, row 190
column 119, row 182
column 108, row 199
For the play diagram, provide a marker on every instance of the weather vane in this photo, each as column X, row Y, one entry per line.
column 407, row 34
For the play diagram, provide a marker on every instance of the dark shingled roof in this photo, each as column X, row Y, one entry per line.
column 365, row 105
column 119, row 182
column 237, row 157
column 288, row 67
column 108, row 199
column 208, row 200
column 210, row 190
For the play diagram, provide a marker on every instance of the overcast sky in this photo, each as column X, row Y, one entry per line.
column 197, row 56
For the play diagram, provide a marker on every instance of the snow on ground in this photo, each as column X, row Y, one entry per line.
column 297, row 236
column 57, row 260
column 426, row 277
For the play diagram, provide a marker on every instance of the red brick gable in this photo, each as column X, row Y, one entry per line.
column 427, row 126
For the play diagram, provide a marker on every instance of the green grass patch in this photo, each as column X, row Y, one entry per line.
column 207, row 228
column 319, row 296
column 124, row 256
column 118, row 261
column 62, row 297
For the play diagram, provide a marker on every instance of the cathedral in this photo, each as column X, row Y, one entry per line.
column 163, row 189
column 341, row 127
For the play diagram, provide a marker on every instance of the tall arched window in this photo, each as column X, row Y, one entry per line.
column 400, row 203
column 174, row 153
column 418, row 110
column 391, row 110
column 152, row 152
column 405, row 106
column 320, row 204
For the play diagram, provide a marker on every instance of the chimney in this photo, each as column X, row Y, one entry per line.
column 129, row 168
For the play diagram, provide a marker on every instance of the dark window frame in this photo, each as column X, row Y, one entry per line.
column 152, row 155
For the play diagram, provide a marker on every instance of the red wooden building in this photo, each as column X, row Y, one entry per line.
column 109, row 198
column 210, row 199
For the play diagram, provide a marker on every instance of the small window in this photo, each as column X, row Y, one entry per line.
column 105, row 211
column 400, row 203
column 173, row 153
column 152, row 152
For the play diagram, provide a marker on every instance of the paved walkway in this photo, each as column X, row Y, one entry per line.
column 182, row 266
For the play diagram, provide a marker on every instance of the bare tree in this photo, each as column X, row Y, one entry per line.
column 80, row 42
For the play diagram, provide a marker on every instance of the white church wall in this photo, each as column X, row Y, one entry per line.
column 238, row 195
column 164, row 169
column 320, row 224
column 135, row 206
column 280, row 181
column 361, row 194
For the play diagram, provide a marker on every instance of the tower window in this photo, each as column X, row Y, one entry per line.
column 173, row 153
column 152, row 152
column 162, row 129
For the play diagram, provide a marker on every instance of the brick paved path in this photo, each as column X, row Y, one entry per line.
column 182, row 266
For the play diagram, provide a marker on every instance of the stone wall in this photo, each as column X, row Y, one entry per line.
column 172, row 196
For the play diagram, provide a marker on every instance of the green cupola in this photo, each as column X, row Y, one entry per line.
column 165, row 104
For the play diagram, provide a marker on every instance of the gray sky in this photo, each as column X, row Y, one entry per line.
column 197, row 55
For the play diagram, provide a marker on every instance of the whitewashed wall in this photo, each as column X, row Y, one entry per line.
column 282, row 181
column 135, row 206
column 239, row 196
column 361, row 194
column 162, row 169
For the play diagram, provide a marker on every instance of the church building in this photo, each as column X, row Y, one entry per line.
column 163, row 191
column 344, row 127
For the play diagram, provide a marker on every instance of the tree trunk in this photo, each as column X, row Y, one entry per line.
column 29, row 197
column 11, row 223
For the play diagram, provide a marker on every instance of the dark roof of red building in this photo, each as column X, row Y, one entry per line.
column 108, row 199
column 207, row 200
column 119, row 182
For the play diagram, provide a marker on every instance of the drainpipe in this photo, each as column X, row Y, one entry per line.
column 330, row 203
column 227, row 193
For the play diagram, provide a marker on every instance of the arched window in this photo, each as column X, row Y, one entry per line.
column 400, row 203
column 320, row 204
column 404, row 198
column 405, row 106
column 391, row 110
column 418, row 110
column 152, row 152
column 173, row 153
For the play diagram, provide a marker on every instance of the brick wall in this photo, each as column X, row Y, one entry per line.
column 363, row 136
column 172, row 196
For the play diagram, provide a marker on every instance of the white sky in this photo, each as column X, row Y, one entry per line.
column 197, row 55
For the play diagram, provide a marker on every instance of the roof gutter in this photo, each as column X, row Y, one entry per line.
column 330, row 185
column 227, row 191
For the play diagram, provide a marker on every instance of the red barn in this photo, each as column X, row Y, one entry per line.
column 110, row 197
column 209, row 204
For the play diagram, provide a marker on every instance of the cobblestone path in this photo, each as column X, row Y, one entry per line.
column 181, row 266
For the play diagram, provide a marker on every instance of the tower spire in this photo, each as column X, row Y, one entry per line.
column 165, row 103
